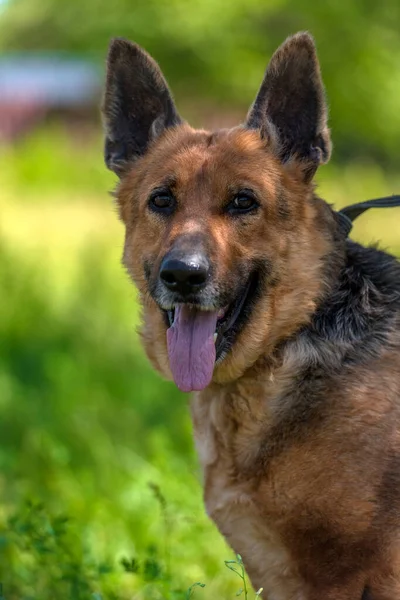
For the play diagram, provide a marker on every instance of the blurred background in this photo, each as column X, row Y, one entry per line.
column 99, row 485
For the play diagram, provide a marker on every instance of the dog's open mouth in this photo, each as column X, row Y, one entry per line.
column 197, row 338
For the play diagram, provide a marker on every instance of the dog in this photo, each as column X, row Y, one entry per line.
column 287, row 331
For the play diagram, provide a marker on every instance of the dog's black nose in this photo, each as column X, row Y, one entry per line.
column 185, row 275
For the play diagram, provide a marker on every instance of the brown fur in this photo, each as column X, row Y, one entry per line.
column 203, row 167
column 305, row 492
column 306, row 512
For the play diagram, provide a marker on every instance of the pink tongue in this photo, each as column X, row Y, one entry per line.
column 191, row 347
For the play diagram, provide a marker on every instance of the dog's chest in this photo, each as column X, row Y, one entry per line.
column 228, row 439
column 233, row 430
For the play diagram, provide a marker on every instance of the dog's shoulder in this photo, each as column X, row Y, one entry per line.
column 369, row 281
column 349, row 350
column 361, row 315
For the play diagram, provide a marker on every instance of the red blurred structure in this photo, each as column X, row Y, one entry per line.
column 34, row 86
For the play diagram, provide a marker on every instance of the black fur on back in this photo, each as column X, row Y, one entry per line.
column 360, row 312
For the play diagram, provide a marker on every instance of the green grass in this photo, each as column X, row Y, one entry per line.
column 100, row 493
column 86, row 426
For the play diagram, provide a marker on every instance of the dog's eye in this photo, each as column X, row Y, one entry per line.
column 243, row 202
column 162, row 201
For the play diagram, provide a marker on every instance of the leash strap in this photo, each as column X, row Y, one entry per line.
column 349, row 213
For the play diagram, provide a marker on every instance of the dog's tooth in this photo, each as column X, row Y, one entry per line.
column 221, row 312
column 215, row 337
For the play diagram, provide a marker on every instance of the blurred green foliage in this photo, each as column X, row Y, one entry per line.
column 85, row 427
column 218, row 49
column 100, row 494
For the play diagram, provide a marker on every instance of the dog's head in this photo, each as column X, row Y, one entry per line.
column 224, row 236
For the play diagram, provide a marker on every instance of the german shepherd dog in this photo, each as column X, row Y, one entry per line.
column 288, row 332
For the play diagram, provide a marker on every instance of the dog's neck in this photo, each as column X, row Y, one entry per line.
column 232, row 420
column 359, row 309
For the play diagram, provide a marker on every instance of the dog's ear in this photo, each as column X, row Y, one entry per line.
column 290, row 108
column 137, row 105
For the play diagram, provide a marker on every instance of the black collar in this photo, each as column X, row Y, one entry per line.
column 349, row 213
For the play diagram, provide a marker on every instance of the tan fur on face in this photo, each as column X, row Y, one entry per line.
column 203, row 168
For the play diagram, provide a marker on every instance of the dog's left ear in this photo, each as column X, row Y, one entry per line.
column 290, row 108
column 137, row 105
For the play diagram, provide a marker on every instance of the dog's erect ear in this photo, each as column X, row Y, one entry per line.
column 290, row 107
column 137, row 104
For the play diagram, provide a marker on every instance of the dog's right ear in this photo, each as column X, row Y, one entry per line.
column 137, row 105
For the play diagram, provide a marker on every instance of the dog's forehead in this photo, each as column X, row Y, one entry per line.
column 216, row 157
